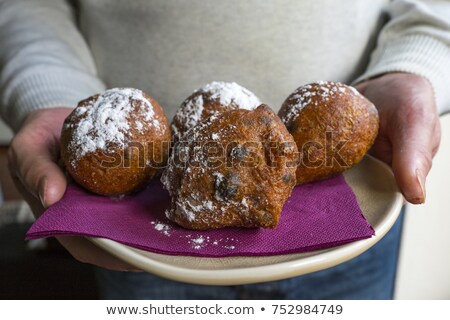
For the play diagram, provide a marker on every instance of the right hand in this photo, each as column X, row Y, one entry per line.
column 32, row 157
column 410, row 130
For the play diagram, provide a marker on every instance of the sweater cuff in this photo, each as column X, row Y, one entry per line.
column 418, row 54
column 54, row 88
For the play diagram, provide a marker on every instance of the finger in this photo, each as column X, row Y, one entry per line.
column 85, row 251
column 34, row 203
column 53, row 183
column 34, row 165
column 412, row 142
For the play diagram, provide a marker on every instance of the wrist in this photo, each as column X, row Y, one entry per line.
column 414, row 81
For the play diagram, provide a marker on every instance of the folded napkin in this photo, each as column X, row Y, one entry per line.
column 316, row 216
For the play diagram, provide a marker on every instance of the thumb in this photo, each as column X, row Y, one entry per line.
column 52, row 182
column 412, row 145
column 32, row 158
column 37, row 173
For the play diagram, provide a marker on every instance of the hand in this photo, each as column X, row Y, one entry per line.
column 32, row 157
column 410, row 130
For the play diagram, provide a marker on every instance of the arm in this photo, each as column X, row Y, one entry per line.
column 407, row 79
column 44, row 64
column 416, row 40
column 44, row 60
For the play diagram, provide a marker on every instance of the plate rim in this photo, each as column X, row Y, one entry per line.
column 255, row 274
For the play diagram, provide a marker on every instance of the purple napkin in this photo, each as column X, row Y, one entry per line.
column 317, row 216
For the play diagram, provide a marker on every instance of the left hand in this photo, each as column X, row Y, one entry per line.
column 410, row 130
column 33, row 162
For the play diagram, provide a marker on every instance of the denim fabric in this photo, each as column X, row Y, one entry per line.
column 371, row 275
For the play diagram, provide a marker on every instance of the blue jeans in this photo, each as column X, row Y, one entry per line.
column 371, row 275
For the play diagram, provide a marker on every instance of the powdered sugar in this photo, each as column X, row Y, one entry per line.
column 185, row 208
column 106, row 120
column 162, row 227
column 139, row 125
column 192, row 110
column 231, row 92
column 214, row 136
column 313, row 94
column 208, row 205
column 196, row 241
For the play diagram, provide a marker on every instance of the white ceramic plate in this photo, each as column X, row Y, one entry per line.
column 375, row 188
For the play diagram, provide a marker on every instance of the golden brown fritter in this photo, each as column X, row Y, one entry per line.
column 333, row 126
column 235, row 169
column 114, row 143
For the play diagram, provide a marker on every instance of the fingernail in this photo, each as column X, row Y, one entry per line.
column 422, row 186
column 42, row 193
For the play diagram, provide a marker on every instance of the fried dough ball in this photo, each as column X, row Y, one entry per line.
column 114, row 143
column 235, row 169
column 333, row 126
column 211, row 99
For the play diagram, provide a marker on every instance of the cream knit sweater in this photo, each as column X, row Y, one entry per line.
column 55, row 52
